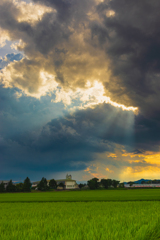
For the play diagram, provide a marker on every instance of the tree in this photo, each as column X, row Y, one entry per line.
column 93, row 183
column 115, row 183
column 19, row 187
column 61, row 185
column 42, row 185
column 10, row 187
column 149, row 182
column 53, row 184
column 81, row 185
column 110, row 182
column 155, row 181
column 121, row 185
column 2, row 188
column 106, row 182
column 130, row 183
column 27, row 185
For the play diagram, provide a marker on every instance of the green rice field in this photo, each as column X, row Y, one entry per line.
column 84, row 196
column 79, row 221
column 95, row 215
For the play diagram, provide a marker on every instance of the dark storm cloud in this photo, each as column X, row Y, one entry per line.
column 116, row 42
column 43, row 36
column 94, row 129
column 51, row 30
column 55, row 28
column 74, row 138
column 86, row 130
column 147, row 133
column 132, row 43
column 19, row 114
column 64, row 8
column 70, row 10
column 45, row 42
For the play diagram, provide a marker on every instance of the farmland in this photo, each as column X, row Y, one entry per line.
column 81, row 215
column 84, row 196
column 81, row 220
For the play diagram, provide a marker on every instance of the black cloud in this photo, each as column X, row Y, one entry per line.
column 74, row 138
column 80, row 40
column 131, row 39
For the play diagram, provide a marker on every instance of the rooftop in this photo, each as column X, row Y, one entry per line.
column 65, row 180
column 5, row 181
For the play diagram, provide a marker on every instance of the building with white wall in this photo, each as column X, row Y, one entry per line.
column 5, row 183
column 68, row 182
column 151, row 185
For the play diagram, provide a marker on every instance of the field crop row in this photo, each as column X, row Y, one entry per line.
column 84, row 196
column 80, row 221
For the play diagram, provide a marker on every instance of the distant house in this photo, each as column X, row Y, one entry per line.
column 34, row 184
column 151, row 185
column 85, row 187
column 68, row 182
column 5, row 183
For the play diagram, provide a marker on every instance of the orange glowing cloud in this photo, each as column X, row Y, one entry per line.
column 108, row 170
column 125, row 166
column 97, row 170
column 149, row 172
column 144, row 165
column 148, row 156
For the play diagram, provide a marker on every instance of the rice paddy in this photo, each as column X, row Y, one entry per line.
column 84, row 196
column 42, row 217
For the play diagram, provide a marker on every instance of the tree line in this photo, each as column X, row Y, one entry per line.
column 19, row 187
column 94, row 183
column 26, row 186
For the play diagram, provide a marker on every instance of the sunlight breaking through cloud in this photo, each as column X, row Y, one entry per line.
column 89, row 97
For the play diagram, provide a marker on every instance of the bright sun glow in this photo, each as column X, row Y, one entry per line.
column 3, row 37
column 31, row 12
column 89, row 97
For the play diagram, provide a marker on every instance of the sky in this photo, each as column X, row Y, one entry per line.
column 79, row 89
